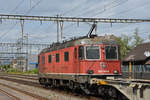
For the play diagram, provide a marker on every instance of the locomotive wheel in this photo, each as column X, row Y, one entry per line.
column 42, row 81
column 54, row 83
column 46, row 86
column 71, row 85
column 112, row 92
column 101, row 91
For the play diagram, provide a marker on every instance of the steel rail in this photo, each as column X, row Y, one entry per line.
column 9, row 95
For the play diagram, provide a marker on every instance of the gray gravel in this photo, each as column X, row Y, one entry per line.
column 52, row 95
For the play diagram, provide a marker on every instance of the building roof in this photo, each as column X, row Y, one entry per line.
column 140, row 53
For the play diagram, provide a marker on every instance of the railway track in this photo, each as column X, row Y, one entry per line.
column 32, row 77
column 7, row 95
column 15, row 78
column 36, row 97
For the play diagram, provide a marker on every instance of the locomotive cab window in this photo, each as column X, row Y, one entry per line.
column 111, row 52
column 43, row 59
column 57, row 57
column 92, row 52
column 49, row 58
column 81, row 52
column 66, row 56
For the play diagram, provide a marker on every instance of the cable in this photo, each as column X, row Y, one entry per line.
column 17, row 5
column 97, row 8
column 127, row 10
column 113, row 6
column 33, row 7
column 24, row 14
column 131, row 9
column 74, row 8
column 78, row 6
column 15, row 23
column 109, row 4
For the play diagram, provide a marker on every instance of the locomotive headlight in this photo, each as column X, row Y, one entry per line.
column 90, row 72
column 103, row 64
column 116, row 72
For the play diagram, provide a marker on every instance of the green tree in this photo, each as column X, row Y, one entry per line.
column 124, row 40
column 137, row 39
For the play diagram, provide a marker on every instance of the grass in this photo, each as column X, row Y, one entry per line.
column 10, row 70
column 15, row 71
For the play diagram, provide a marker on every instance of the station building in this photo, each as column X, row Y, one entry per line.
column 139, row 57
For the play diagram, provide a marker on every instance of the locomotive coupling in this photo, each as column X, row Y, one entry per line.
column 101, row 82
column 98, row 81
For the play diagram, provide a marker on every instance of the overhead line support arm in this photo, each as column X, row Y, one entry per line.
column 72, row 19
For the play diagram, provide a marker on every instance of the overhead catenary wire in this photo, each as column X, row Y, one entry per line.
column 89, row 11
column 129, row 10
column 109, row 5
column 94, row 9
column 10, row 29
column 17, row 6
column 36, row 4
column 67, row 27
column 74, row 8
column 125, row 10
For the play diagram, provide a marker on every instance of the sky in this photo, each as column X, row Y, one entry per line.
column 45, row 32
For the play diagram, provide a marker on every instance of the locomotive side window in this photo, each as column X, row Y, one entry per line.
column 49, row 58
column 92, row 52
column 57, row 57
column 111, row 52
column 66, row 56
column 81, row 52
column 75, row 53
column 43, row 59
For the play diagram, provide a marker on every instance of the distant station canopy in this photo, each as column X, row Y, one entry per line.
column 139, row 55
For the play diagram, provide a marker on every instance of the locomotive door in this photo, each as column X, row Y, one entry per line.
column 53, row 65
column 76, row 62
column 79, row 55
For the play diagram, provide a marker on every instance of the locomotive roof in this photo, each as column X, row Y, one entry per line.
column 107, row 39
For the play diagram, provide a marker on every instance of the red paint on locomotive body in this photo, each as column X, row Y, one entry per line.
column 83, row 57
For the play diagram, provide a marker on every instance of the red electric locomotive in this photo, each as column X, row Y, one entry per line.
column 75, row 62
